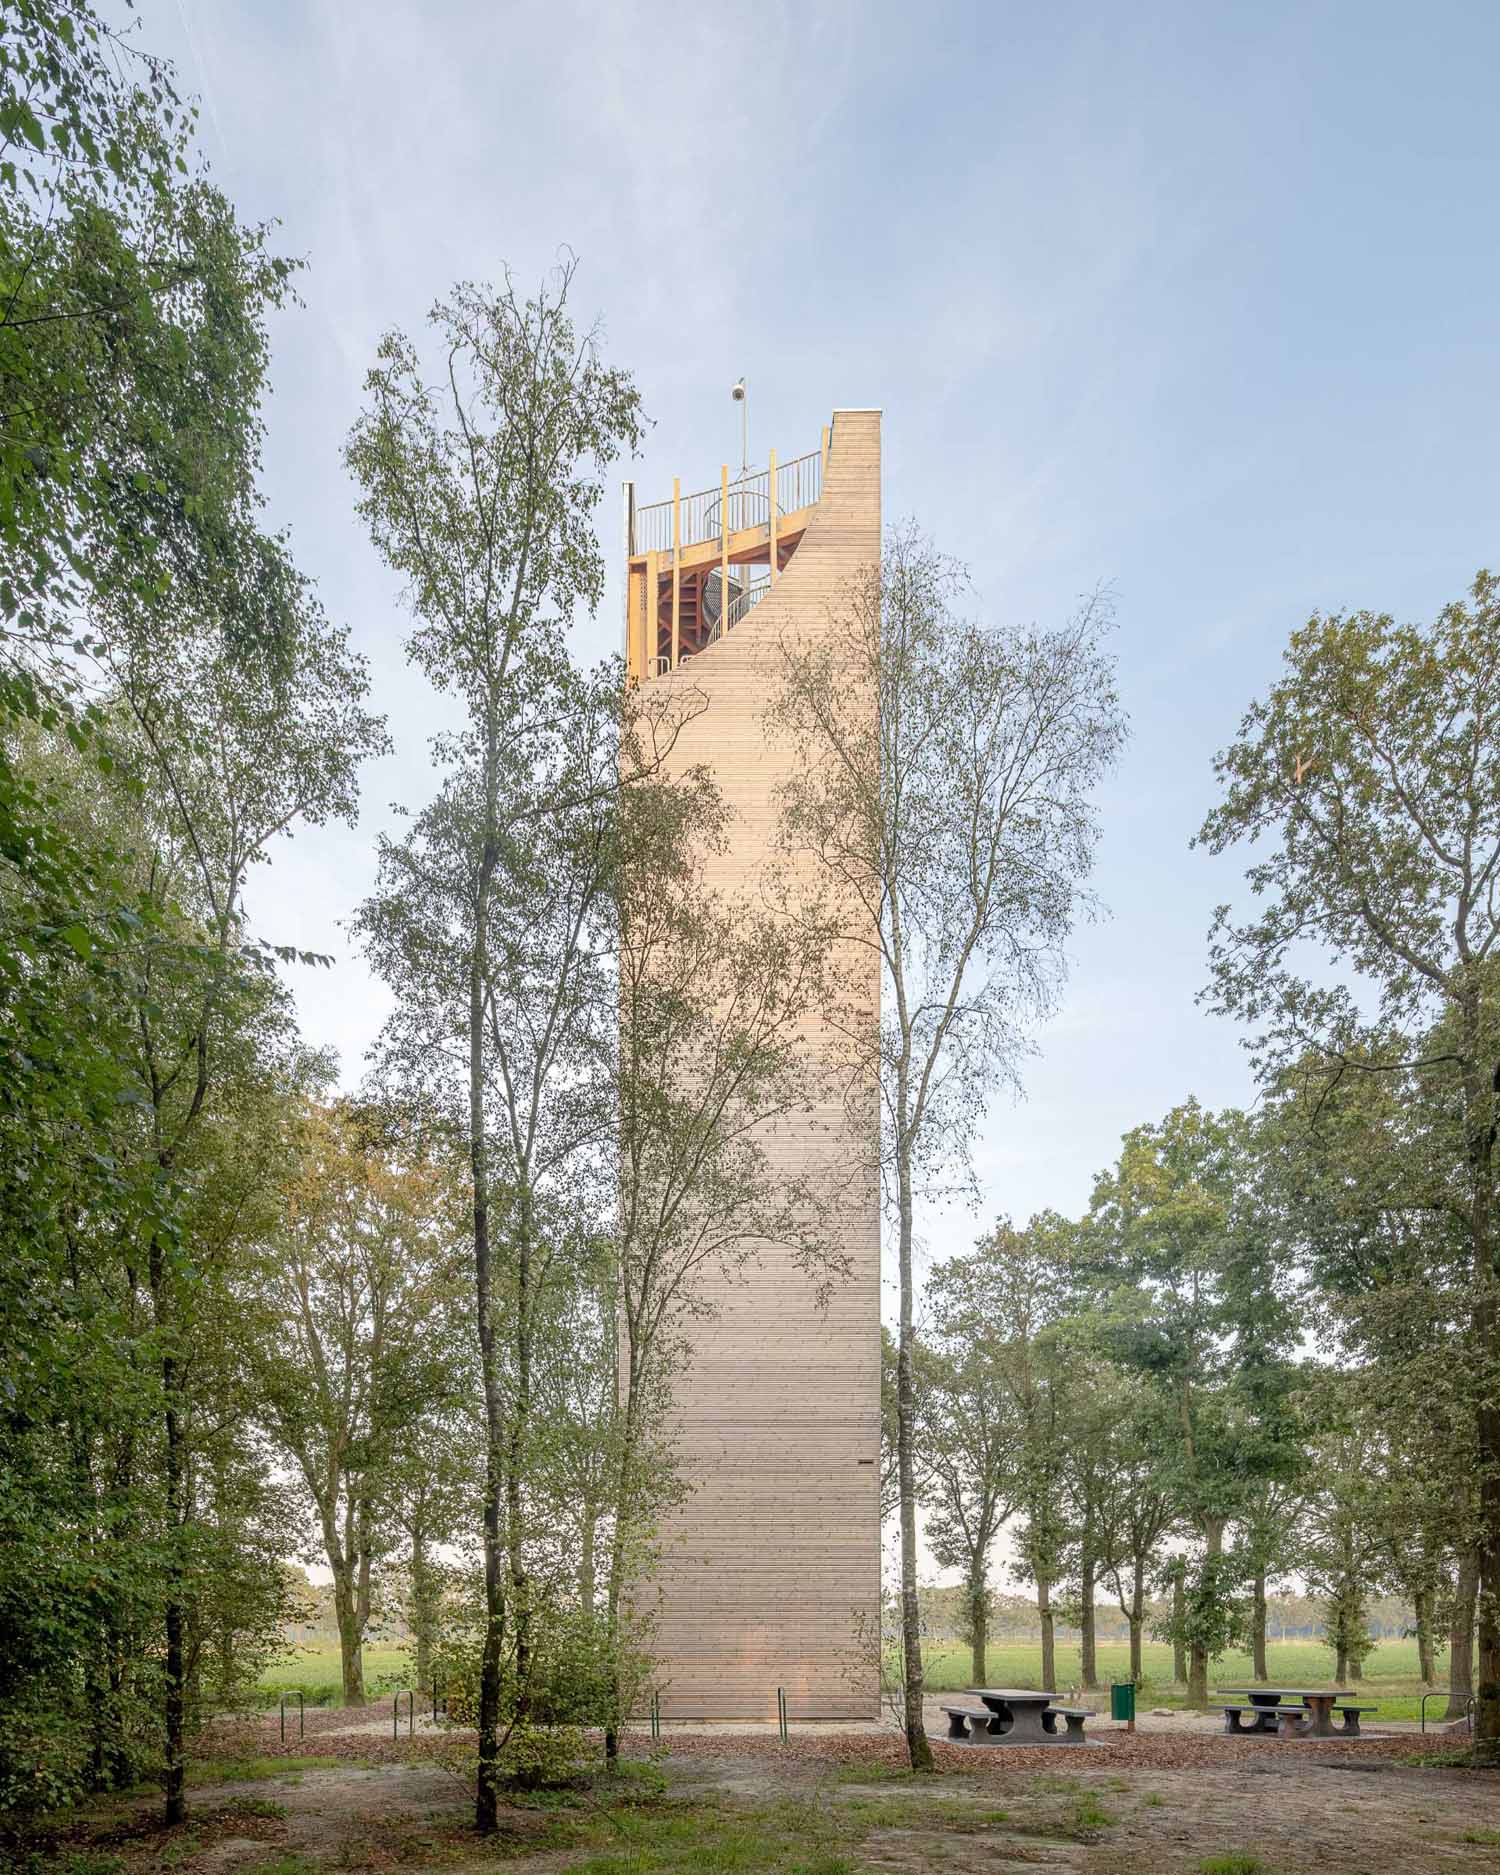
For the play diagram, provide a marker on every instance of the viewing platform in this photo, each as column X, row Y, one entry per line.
column 697, row 564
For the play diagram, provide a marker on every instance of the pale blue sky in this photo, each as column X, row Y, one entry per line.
column 1196, row 299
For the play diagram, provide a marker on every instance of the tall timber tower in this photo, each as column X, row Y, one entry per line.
column 770, row 1571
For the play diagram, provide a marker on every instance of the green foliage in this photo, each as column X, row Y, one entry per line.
column 569, row 1683
column 170, row 703
column 1369, row 776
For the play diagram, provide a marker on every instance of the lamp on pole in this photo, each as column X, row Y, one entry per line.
column 741, row 395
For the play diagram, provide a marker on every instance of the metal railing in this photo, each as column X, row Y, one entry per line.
column 743, row 601
column 747, row 585
column 799, row 483
column 1442, row 1693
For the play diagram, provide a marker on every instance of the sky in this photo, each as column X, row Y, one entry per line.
column 1197, row 301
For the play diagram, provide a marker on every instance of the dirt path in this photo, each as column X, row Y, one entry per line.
column 1149, row 1806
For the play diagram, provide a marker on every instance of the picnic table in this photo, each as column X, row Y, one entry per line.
column 1021, row 1715
column 1313, row 1718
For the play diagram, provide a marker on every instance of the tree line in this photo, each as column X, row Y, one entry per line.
column 1271, row 1343
column 1166, row 1407
column 436, row 1321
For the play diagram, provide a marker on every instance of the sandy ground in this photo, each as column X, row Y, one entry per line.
column 1158, row 1803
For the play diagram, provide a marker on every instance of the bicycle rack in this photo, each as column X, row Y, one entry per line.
column 411, row 1714
column 1439, row 1694
column 301, row 1716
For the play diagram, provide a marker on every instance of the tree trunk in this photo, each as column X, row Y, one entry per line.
column 1487, row 1638
column 1461, row 1636
column 1481, row 1114
column 487, row 1782
column 979, row 1611
column 351, row 1633
column 1088, row 1651
column 918, row 1749
column 588, row 1537
column 515, row 1535
column 174, row 1663
column 1197, row 1692
column 1422, row 1620
column 423, row 1605
column 1179, row 1616
column 1049, row 1642
column 1259, row 1669
column 619, row 1537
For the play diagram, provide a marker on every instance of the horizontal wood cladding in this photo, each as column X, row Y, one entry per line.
column 770, row 1571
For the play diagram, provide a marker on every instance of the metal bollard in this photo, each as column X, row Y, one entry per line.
column 781, row 1712
column 656, row 1715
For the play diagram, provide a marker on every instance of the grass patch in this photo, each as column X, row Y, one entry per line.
column 1461, row 1759
column 257, row 1806
column 953, row 1814
column 1237, row 1862
column 819, row 1835
column 869, row 1774
column 1481, row 1835
column 1090, row 1818
column 779, row 1839
column 253, row 1770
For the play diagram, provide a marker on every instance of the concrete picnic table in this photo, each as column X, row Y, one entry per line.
column 1016, row 1715
column 1313, row 1720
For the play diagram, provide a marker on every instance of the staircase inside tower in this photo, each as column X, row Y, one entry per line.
column 706, row 610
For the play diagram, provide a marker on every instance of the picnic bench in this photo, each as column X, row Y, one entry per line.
column 1011, row 1715
column 1311, row 1717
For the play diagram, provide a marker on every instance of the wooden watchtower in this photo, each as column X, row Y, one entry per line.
column 770, row 1575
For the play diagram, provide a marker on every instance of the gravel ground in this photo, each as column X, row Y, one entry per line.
column 1159, row 1802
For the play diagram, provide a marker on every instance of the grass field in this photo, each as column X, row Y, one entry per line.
column 314, row 1672
column 1390, row 1671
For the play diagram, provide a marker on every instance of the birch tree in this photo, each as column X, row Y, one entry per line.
column 944, row 795
column 479, row 490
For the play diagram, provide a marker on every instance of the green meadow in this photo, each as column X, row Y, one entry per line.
column 313, row 1671
column 1390, row 1675
column 1390, row 1680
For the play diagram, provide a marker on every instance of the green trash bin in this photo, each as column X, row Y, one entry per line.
column 1122, row 1701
